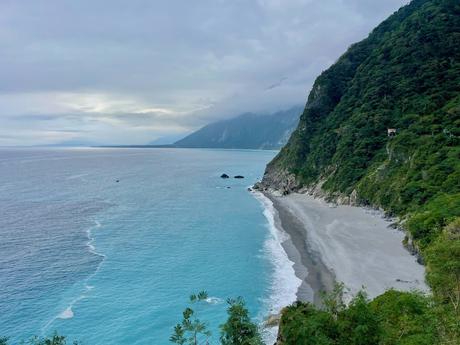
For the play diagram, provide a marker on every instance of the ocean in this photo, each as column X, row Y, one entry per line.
column 105, row 245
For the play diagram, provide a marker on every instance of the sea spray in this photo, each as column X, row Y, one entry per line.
column 285, row 283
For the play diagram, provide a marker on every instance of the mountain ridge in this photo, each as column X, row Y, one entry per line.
column 246, row 131
column 381, row 128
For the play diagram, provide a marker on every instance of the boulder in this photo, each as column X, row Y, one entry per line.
column 224, row 176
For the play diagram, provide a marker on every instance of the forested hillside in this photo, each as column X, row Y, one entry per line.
column 381, row 127
column 247, row 131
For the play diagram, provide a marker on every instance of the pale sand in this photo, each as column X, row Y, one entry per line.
column 347, row 244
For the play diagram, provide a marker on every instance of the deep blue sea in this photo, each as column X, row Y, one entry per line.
column 108, row 262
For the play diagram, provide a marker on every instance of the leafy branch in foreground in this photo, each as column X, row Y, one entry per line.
column 55, row 339
column 191, row 330
column 239, row 329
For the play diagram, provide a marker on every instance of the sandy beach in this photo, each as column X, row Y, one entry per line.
column 346, row 244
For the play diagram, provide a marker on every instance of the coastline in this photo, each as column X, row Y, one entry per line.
column 308, row 266
column 348, row 244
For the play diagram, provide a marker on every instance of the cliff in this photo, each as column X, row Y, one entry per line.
column 404, row 76
column 381, row 128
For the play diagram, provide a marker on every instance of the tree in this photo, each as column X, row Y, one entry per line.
column 443, row 274
column 358, row 324
column 239, row 329
column 191, row 330
column 333, row 300
column 444, row 265
column 304, row 324
column 56, row 339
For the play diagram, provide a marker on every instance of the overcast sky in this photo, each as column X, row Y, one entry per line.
column 128, row 72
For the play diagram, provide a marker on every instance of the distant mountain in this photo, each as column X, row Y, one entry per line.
column 247, row 131
column 166, row 140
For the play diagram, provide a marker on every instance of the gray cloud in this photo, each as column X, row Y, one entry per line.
column 129, row 71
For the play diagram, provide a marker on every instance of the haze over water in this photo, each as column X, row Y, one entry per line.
column 109, row 262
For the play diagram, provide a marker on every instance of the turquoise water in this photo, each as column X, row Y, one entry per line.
column 109, row 262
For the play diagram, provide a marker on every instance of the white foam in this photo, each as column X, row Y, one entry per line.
column 66, row 314
column 284, row 286
column 214, row 300
column 90, row 245
column 79, row 176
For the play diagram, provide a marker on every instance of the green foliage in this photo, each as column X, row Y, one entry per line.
column 394, row 318
column 303, row 324
column 333, row 301
column 405, row 75
column 55, row 339
column 191, row 330
column 405, row 318
column 427, row 223
column 239, row 329
column 358, row 324
column 444, row 265
column 201, row 296
column 443, row 274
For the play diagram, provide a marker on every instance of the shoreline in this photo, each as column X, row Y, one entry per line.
column 348, row 244
column 308, row 266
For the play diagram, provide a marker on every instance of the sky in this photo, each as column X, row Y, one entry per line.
column 129, row 72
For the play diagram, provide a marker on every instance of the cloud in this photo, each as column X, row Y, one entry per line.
column 113, row 68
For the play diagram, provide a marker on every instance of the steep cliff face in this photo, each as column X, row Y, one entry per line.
column 404, row 76
column 382, row 127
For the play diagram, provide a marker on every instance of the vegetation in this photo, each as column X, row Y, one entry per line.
column 404, row 76
column 55, row 339
column 393, row 318
column 238, row 330
column 191, row 330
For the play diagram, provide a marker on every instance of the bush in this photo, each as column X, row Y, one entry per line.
column 239, row 329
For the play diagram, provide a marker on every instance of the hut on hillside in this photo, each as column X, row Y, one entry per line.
column 391, row 132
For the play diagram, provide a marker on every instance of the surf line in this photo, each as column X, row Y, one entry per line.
column 67, row 313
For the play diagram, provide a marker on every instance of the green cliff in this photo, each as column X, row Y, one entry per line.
column 406, row 77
